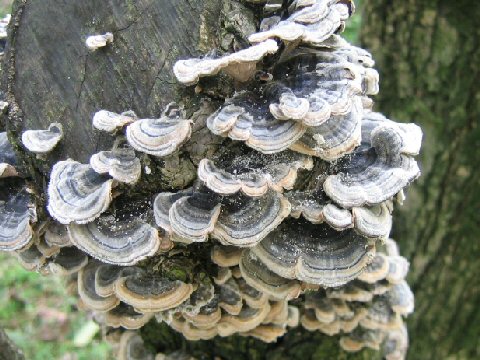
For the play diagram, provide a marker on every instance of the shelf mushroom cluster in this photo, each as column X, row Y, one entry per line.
column 287, row 223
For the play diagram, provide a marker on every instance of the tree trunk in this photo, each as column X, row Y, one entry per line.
column 8, row 350
column 50, row 76
column 427, row 53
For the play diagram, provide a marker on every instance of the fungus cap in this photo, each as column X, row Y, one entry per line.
column 43, row 141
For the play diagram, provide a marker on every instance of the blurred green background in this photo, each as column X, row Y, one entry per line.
column 38, row 314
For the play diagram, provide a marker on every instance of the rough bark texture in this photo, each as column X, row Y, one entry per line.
column 53, row 77
column 428, row 53
column 8, row 350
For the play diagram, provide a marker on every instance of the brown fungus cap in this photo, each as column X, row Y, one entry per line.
column 248, row 319
column 361, row 338
column 152, row 293
column 76, row 193
column 106, row 276
column 68, row 261
column 257, row 275
column 267, row 333
column 226, row 256
column 86, row 290
column 31, row 258
column 377, row 270
column 126, row 317
column 57, row 235
column 230, row 298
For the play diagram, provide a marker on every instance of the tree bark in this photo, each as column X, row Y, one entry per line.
column 8, row 350
column 427, row 53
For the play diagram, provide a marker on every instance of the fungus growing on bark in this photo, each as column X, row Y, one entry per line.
column 318, row 255
column 126, row 317
column 68, row 261
column 16, row 213
column 300, row 102
column 240, row 65
column 373, row 222
column 310, row 24
column 380, row 167
column 236, row 220
column 57, row 235
column 159, row 137
column 95, row 42
column 43, row 141
column 253, row 175
column 110, row 122
column 76, row 193
column 87, row 292
column 257, row 275
column 115, row 241
column 121, row 164
column 151, row 293
column 226, row 256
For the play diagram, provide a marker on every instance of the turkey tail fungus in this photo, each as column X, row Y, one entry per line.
column 259, row 201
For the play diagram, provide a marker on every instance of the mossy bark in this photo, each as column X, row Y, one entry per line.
column 427, row 52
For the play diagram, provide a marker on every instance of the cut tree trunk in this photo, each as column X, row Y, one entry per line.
column 50, row 76
column 428, row 53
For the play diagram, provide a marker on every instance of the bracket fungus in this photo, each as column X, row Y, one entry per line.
column 318, row 255
column 237, row 220
column 151, row 293
column 121, row 164
column 380, row 168
column 76, row 193
column 114, row 241
column 43, row 141
column 310, row 24
column 159, row 137
column 95, row 42
column 110, row 122
column 280, row 207
column 240, row 65
column 16, row 213
column 253, row 175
